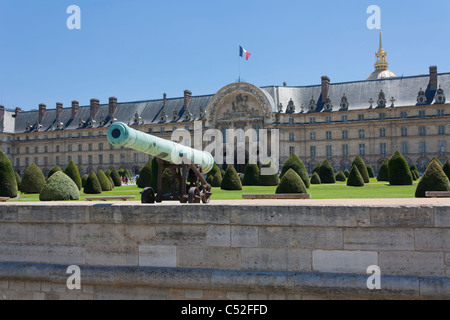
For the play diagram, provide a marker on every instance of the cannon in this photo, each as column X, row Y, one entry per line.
column 187, row 165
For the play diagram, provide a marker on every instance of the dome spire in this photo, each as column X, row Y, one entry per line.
column 381, row 65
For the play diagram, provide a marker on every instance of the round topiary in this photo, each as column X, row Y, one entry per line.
column 84, row 179
column 33, row 180
column 446, row 168
column 291, row 183
column 53, row 170
column 18, row 178
column 92, row 184
column 104, row 181
column 268, row 175
column 8, row 180
column 370, row 171
column 315, row 179
column 59, row 187
column 116, row 178
column 296, row 164
column 362, row 168
column 145, row 176
column 434, row 179
column 383, row 173
column 72, row 171
column 326, row 173
column 316, row 168
column 355, row 179
column 341, row 176
column 231, row 180
column 347, row 173
column 251, row 175
column 398, row 169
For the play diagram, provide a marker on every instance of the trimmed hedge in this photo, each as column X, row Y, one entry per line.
column 231, row 180
column 355, row 178
column 84, row 179
column 268, row 180
column 315, row 179
column 8, row 178
column 154, row 166
column 92, row 184
column 72, row 171
column 116, row 178
column 362, row 168
column 340, row 176
column 383, row 173
column 326, row 173
column 33, row 180
column 145, row 176
column 295, row 163
column 216, row 180
column 347, row 173
column 53, row 170
column 251, row 175
column 291, row 183
column 446, row 168
column 316, row 168
column 104, row 181
column 370, row 171
column 398, row 169
column 18, row 179
column 434, row 179
column 59, row 187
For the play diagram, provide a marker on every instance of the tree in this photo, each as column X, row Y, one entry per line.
column 33, row 180
column 315, row 179
column 59, row 187
column 326, row 173
column 53, row 170
column 370, row 171
column 18, row 178
column 291, row 183
column 8, row 179
column 341, row 176
column 446, row 168
column 84, row 179
column 434, row 179
column 316, row 168
column 231, row 180
column 355, row 179
column 398, row 170
column 72, row 171
column 383, row 173
column 268, row 175
column 104, row 181
column 362, row 168
column 251, row 175
column 216, row 180
column 347, row 173
column 145, row 176
column 295, row 163
column 92, row 184
column 116, row 178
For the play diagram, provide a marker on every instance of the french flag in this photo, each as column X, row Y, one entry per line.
column 243, row 52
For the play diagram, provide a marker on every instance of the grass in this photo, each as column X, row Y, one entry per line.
column 339, row 190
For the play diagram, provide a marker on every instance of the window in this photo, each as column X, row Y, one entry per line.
column 69, row 148
column 362, row 133
column 45, row 149
column 404, row 147
column 69, row 135
column 291, row 121
column 57, row 160
column 403, row 114
column 17, row 162
column 89, row 159
column 27, row 150
column 312, row 120
column 422, row 131
column 80, row 147
column 163, row 130
column 90, row 146
column 344, row 134
column 291, row 150
column 36, row 161
column 422, row 114
column 345, row 150
column 441, row 113
column 100, row 159
column 362, row 149
column 383, row 148
column 329, row 151
column 442, row 146
column 187, row 128
column 150, row 130
column 57, row 148
column 80, row 160
column 136, row 158
column 45, row 161
column 90, row 134
column 328, row 119
column 382, row 132
column 69, row 158
column 312, row 150
column 8, row 150
column 312, row 136
column 328, row 135
column 360, row 117
column 441, row 129
column 122, row 158
column 404, row 132
column 100, row 146
column 111, row 147
column 344, row 119
column 27, row 162
column 111, row 159
column 382, row 116
column 18, row 151
column 100, row 134
column 423, row 147
column 36, row 149
column 291, row 136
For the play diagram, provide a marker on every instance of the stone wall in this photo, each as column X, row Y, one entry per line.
column 223, row 251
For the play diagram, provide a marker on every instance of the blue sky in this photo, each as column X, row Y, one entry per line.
column 139, row 49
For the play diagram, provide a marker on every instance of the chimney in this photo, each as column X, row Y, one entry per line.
column 187, row 98
column 433, row 77
column 95, row 107
column 325, row 87
column 112, row 107
column 2, row 112
column 42, row 110
column 75, row 107
column 59, row 109
column 164, row 99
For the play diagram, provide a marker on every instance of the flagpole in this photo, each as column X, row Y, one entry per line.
column 239, row 56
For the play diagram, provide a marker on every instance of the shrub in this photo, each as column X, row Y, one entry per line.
column 355, row 178
column 231, row 180
column 370, row 171
column 92, row 184
column 362, row 168
column 341, row 176
column 213, row 171
column 291, row 183
column 271, row 179
column 446, row 168
column 116, row 178
column 383, row 173
column 104, row 181
column 398, row 169
column 110, row 181
column 347, row 173
column 437, row 160
column 251, row 175
column 53, row 170
column 155, row 172
column 145, row 176
column 59, row 187
column 315, row 179
column 222, row 172
column 434, row 179
column 72, row 171
column 84, row 179
column 18, row 178
column 316, row 168
column 216, row 180
column 326, row 173
column 108, row 173
column 414, row 172
column 294, row 163
column 33, row 180
column 8, row 179
column 167, row 180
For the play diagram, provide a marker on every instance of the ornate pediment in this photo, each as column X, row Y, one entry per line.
column 240, row 109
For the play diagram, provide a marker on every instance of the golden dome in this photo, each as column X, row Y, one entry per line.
column 381, row 65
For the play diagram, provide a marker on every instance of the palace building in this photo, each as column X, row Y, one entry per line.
column 333, row 121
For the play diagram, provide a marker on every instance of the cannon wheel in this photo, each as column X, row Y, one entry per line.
column 148, row 195
column 194, row 195
column 206, row 194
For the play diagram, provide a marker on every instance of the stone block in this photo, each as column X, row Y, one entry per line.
column 129, row 293
column 412, row 263
column 53, row 214
column 112, row 255
column 202, row 215
column 133, row 234
column 405, row 216
column 340, row 261
column 218, row 236
column 296, row 260
column 435, row 288
column 188, row 235
column 233, row 295
column 9, row 213
column 244, row 236
column 193, row 294
column 300, row 238
column 428, row 239
column 209, row 257
column 158, row 256
column 16, row 233
column 33, row 286
column 58, row 254
column 442, row 216
column 380, row 239
column 54, row 233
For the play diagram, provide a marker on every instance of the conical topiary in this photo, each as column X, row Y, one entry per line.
column 316, row 168
column 398, row 169
column 370, row 171
column 33, row 180
column 291, row 183
column 295, row 163
column 54, row 169
column 116, row 178
column 383, row 173
column 251, row 175
column 231, row 180
column 437, row 160
column 362, row 168
column 84, row 179
column 104, row 181
column 108, row 172
column 213, row 171
column 216, row 180
column 18, row 179
column 72, row 171
column 355, row 179
column 315, row 179
column 110, row 181
column 446, row 168
column 59, row 187
column 326, row 172
column 8, row 180
column 340, row 176
column 92, row 184
column 145, row 176
column 347, row 173
column 268, row 175
column 222, row 172
column 434, row 179
column 155, row 171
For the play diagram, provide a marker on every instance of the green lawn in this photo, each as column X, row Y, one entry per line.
column 324, row 191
